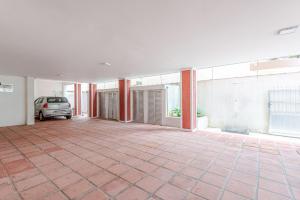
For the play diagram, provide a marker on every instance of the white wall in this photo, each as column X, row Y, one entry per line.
column 241, row 102
column 48, row 88
column 12, row 105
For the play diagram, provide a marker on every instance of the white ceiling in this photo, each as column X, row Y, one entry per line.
column 45, row 38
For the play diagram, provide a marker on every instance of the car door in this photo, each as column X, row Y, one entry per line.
column 37, row 106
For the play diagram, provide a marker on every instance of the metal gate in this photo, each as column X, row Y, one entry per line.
column 155, row 107
column 138, row 106
column 284, row 112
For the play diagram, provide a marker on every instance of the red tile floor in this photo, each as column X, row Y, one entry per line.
column 96, row 159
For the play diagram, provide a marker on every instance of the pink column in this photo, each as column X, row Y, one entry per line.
column 77, row 99
column 92, row 100
column 124, row 100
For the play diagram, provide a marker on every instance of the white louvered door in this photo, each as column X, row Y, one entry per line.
column 155, row 107
column 138, row 106
column 115, row 105
column 158, row 107
column 102, row 105
column 109, row 105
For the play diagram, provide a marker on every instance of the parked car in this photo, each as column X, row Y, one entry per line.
column 45, row 107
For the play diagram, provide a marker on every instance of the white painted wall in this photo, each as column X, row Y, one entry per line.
column 172, row 121
column 12, row 105
column 241, row 102
column 45, row 87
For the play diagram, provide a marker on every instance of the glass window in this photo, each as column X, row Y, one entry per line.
column 173, row 100
column 156, row 80
column 170, row 78
column 151, row 80
column 204, row 74
column 37, row 100
column 100, row 86
column 108, row 85
column 69, row 93
column 282, row 70
column 233, row 71
column 57, row 100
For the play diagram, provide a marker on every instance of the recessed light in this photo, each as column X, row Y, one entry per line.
column 287, row 30
column 105, row 63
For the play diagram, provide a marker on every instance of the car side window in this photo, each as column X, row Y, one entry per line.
column 37, row 100
column 41, row 100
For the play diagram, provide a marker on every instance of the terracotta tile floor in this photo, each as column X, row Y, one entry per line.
column 96, row 159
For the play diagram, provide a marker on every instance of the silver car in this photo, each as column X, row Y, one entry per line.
column 45, row 107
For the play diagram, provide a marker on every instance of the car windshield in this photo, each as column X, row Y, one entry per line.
column 57, row 100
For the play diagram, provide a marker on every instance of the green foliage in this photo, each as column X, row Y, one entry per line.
column 176, row 112
column 200, row 114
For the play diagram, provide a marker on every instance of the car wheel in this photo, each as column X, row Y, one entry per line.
column 41, row 117
column 68, row 117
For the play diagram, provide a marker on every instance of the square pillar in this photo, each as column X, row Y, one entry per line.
column 92, row 100
column 29, row 100
column 189, row 99
column 77, row 99
column 124, row 100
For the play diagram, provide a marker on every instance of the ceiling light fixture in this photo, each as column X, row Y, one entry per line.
column 287, row 30
column 105, row 63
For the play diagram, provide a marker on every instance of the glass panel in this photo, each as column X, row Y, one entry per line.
column 152, row 80
column 279, row 70
column 173, row 100
column 170, row 78
column 57, row 100
column 204, row 74
column 232, row 71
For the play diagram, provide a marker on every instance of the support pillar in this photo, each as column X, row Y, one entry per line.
column 77, row 99
column 189, row 99
column 92, row 100
column 29, row 100
column 124, row 100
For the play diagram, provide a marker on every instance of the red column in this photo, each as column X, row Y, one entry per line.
column 124, row 100
column 92, row 100
column 77, row 99
column 189, row 99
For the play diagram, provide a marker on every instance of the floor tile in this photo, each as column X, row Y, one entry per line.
column 133, row 193
column 77, row 189
column 240, row 188
column 150, row 184
column 115, row 187
column 97, row 159
column 133, row 175
column 183, row 182
column 264, row 194
column 102, row 178
column 169, row 192
column 67, row 179
column 38, row 192
column 95, row 195
column 206, row 191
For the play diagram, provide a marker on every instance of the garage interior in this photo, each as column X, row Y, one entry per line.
column 170, row 100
